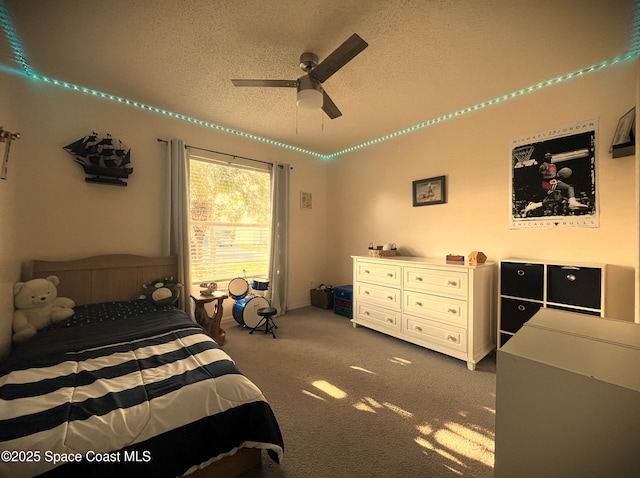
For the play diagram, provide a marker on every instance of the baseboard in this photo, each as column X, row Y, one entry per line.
column 299, row 305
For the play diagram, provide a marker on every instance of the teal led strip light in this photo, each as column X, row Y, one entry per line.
column 179, row 116
column 12, row 37
column 484, row 104
column 635, row 38
column 21, row 60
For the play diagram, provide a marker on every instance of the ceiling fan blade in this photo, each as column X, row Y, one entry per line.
column 329, row 107
column 268, row 83
column 338, row 58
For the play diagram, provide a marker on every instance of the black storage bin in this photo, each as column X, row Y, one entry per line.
column 579, row 286
column 322, row 298
column 514, row 313
column 519, row 279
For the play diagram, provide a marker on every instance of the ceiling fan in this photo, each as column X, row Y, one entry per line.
column 310, row 93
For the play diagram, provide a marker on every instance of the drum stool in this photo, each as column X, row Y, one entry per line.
column 267, row 314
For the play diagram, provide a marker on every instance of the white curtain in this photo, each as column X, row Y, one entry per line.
column 176, row 240
column 279, row 258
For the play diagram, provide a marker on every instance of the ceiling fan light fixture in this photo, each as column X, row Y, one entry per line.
column 310, row 95
column 310, row 99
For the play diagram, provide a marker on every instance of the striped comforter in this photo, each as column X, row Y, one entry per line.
column 150, row 395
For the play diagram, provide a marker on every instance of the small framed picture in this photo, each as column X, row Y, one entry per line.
column 430, row 191
column 305, row 200
column 625, row 131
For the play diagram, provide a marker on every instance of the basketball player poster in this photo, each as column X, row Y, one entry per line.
column 553, row 178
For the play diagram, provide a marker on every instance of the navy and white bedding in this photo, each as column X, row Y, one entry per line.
column 125, row 394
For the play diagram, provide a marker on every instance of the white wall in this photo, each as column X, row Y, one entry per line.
column 370, row 191
column 63, row 217
column 49, row 212
column 9, row 264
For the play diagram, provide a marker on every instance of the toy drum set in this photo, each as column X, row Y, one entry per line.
column 248, row 300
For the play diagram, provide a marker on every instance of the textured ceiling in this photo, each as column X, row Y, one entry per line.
column 426, row 58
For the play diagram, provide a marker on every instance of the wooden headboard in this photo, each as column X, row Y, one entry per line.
column 104, row 278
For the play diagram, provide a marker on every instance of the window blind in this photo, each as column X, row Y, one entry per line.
column 230, row 221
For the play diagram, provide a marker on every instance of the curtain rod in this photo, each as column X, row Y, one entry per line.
column 220, row 152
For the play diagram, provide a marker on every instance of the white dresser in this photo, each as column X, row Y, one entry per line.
column 445, row 307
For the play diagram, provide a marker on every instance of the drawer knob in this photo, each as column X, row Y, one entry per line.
column 366, row 272
column 452, row 338
column 521, row 308
column 366, row 313
column 452, row 311
column 571, row 277
column 520, row 272
column 419, row 304
column 452, row 283
column 418, row 329
column 389, row 274
column 366, row 292
column 390, row 320
column 390, row 297
column 419, row 279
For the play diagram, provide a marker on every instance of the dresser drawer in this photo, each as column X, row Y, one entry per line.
column 441, row 282
column 571, row 285
column 373, row 315
column 443, row 309
column 385, row 274
column 435, row 333
column 344, row 292
column 383, row 296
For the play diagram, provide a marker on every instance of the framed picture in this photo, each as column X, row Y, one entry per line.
column 624, row 130
column 305, row 200
column 430, row 191
column 554, row 175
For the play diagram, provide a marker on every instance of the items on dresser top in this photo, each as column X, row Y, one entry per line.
column 527, row 286
column 444, row 307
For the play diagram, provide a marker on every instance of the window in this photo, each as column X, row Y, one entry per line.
column 230, row 221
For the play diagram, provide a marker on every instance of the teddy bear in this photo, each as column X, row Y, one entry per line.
column 38, row 305
column 161, row 291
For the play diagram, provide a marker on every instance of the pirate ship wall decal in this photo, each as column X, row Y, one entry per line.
column 106, row 160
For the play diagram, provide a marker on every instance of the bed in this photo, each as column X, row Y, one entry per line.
column 127, row 388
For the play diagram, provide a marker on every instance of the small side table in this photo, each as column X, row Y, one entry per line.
column 210, row 324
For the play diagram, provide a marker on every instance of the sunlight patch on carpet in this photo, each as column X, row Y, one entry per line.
column 396, row 409
column 372, row 402
column 367, row 404
column 423, row 442
column 399, row 361
column 330, row 389
column 466, row 442
column 306, row 392
column 363, row 407
column 360, row 369
column 457, row 472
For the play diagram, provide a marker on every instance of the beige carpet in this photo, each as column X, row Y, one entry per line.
column 357, row 403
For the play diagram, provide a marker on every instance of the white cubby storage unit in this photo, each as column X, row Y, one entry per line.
column 526, row 286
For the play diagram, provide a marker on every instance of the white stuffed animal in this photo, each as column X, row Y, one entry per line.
column 38, row 305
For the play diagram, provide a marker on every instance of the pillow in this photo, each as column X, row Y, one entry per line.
column 161, row 291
